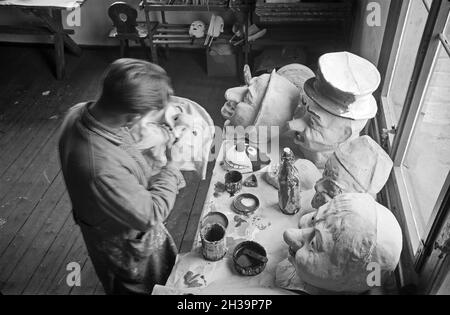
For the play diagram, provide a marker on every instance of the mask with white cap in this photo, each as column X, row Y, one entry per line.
column 318, row 133
column 339, row 106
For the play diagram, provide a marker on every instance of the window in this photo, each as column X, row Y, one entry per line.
column 416, row 100
column 412, row 31
column 426, row 163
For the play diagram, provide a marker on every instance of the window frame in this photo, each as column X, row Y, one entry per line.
column 403, row 10
column 396, row 139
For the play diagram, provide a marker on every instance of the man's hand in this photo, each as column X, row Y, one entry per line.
column 170, row 159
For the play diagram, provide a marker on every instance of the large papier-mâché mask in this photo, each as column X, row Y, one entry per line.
column 358, row 166
column 265, row 104
column 318, row 133
column 335, row 244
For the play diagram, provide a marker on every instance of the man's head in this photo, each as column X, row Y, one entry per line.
column 134, row 88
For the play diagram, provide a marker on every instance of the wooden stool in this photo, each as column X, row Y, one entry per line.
column 126, row 27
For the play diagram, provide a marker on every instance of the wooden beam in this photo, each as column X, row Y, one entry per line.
column 28, row 30
column 54, row 23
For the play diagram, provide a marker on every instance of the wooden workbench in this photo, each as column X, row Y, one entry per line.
column 49, row 14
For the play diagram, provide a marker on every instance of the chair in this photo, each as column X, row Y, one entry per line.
column 126, row 27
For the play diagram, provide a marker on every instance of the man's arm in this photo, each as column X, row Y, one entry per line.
column 124, row 198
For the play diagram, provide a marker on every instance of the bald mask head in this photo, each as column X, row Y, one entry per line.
column 335, row 244
column 357, row 166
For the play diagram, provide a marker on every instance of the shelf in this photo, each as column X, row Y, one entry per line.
column 167, row 34
column 278, row 36
column 182, row 7
column 195, row 8
column 303, row 12
column 240, row 8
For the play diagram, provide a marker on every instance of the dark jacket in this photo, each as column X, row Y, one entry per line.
column 118, row 207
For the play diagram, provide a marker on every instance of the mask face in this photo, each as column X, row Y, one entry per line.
column 329, row 250
column 156, row 116
column 218, row 26
column 329, row 186
column 335, row 181
column 197, row 29
column 321, row 130
column 313, row 246
column 242, row 103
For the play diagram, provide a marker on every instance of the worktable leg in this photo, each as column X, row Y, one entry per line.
column 166, row 47
column 54, row 24
column 122, row 48
column 246, row 43
column 58, row 39
column 153, row 47
column 59, row 56
column 144, row 46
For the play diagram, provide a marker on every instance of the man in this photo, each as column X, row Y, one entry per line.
column 118, row 207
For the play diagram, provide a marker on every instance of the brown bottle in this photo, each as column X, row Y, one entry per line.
column 289, row 198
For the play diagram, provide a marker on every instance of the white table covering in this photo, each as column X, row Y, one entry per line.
column 192, row 273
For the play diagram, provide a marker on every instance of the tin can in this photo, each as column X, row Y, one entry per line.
column 233, row 182
column 213, row 237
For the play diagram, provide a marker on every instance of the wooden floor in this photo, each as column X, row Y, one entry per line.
column 38, row 237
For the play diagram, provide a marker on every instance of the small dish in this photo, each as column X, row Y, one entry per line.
column 240, row 207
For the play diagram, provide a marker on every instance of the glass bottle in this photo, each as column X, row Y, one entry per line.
column 289, row 198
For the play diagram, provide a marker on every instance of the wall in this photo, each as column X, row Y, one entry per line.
column 95, row 23
column 412, row 36
column 367, row 40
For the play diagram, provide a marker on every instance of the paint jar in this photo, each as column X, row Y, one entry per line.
column 250, row 258
column 213, row 236
column 233, row 182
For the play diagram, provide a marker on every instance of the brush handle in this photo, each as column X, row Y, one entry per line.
column 255, row 255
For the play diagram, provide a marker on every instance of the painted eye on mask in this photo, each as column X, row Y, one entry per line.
column 314, row 120
column 316, row 244
column 308, row 220
column 304, row 101
column 300, row 137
